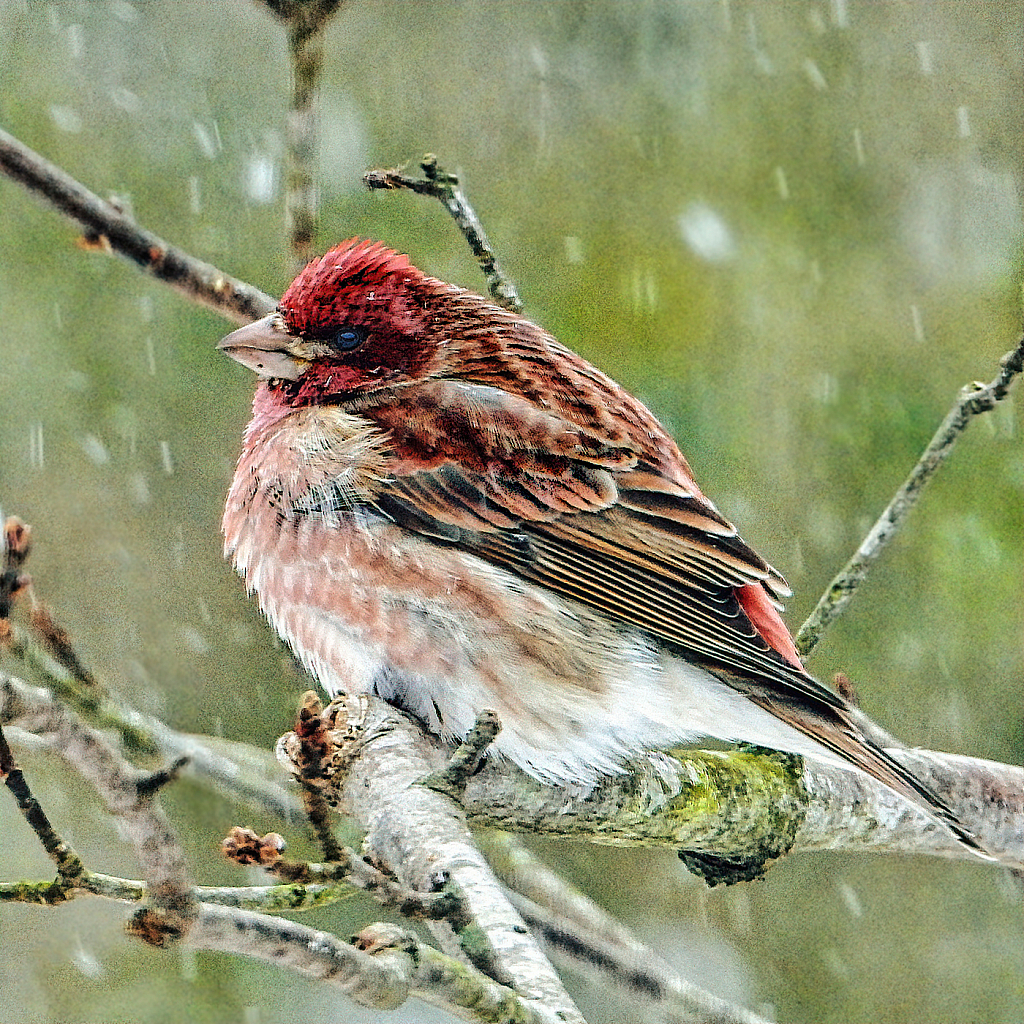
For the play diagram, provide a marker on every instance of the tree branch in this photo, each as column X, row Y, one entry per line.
column 745, row 805
column 421, row 837
column 973, row 400
column 112, row 230
column 570, row 924
column 305, row 22
column 444, row 186
column 128, row 793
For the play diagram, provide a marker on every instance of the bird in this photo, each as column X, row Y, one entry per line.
column 438, row 503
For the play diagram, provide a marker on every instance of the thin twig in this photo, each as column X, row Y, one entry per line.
column 573, row 925
column 974, row 399
column 445, row 187
column 305, row 22
column 69, row 865
column 242, row 771
column 127, row 792
column 381, row 969
column 110, row 229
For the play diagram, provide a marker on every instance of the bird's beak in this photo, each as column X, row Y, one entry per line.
column 267, row 348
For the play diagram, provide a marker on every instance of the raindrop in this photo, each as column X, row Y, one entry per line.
column 839, row 14
column 126, row 100
column 963, row 122
column 858, row 146
column 123, row 11
column 915, row 316
column 208, row 140
column 95, row 450
column 924, row 58
column 261, row 179
column 66, row 119
column 165, row 458
column 851, row 899
column 194, row 195
column 87, row 962
column 573, row 249
column 781, row 184
column 138, row 489
column 644, row 289
column 150, row 355
column 76, row 40
column 193, row 640
column 761, row 60
column 35, row 445
column 189, row 963
column 126, row 422
column 835, row 963
column 813, row 73
column 706, row 233
column 825, row 388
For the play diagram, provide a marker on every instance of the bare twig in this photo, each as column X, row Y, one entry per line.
column 974, row 399
column 445, row 187
column 127, row 792
column 384, row 966
column 69, row 865
column 238, row 769
column 110, row 229
column 572, row 925
column 305, row 22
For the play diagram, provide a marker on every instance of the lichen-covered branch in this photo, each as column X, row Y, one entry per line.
column 973, row 399
column 746, row 805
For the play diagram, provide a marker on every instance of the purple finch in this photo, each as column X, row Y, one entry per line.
column 438, row 503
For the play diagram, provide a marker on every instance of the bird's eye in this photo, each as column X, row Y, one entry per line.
column 347, row 338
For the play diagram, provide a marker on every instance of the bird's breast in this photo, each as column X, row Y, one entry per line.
column 371, row 606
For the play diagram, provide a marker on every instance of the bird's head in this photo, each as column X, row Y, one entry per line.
column 358, row 319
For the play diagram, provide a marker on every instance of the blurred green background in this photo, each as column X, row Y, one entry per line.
column 793, row 229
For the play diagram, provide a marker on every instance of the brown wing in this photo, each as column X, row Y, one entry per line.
column 673, row 576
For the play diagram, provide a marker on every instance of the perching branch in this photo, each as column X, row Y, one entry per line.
column 421, row 837
column 973, row 400
column 110, row 229
column 748, row 805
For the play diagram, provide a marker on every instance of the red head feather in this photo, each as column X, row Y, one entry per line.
column 357, row 282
